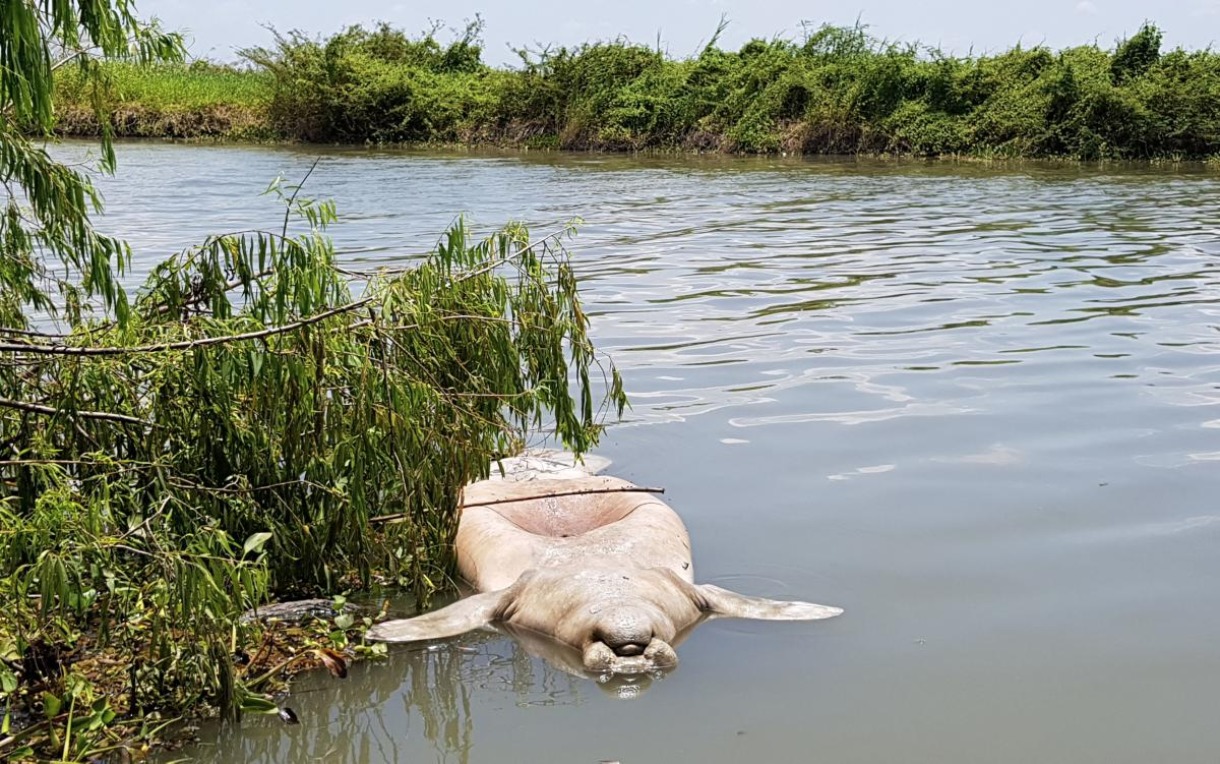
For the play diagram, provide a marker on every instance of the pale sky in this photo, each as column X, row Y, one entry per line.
column 216, row 28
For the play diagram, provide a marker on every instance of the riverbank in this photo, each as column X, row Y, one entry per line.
column 838, row 91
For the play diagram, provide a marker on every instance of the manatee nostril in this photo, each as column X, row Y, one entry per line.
column 627, row 644
column 626, row 631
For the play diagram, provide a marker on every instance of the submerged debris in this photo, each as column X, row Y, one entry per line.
column 299, row 610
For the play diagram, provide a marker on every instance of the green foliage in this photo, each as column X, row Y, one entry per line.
column 1136, row 55
column 839, row 90
column 236, row 436
column 195, row 85
column 235, row 431
column 376, row 86
column 168, row 100
column 48, row 218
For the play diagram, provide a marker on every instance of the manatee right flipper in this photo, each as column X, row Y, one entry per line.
column 722, row 602
column 473, row 612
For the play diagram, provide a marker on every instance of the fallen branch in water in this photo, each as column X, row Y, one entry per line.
column 81, row 350
column 583, row 492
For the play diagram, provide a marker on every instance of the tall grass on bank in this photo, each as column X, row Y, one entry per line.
column 836, row 90
column 170, row 100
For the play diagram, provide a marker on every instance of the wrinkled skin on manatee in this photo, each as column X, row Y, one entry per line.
column 606, row 573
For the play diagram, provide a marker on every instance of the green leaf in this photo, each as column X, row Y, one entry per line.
column 51, row 704
column 8, row 680
column 255, row 542
column 258, row 704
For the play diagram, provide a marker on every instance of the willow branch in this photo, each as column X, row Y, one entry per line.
column 292, row 200
column 69, row 350
column 36, row 408
column 185, row 344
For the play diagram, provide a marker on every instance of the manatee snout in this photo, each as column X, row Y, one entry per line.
column 627, row 631
column 626, row 642
column 657, row 655
column 630, row 639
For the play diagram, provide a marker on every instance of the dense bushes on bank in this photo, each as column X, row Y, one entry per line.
column 838, row 90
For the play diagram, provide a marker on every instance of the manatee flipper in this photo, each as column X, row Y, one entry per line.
column 465, row 615
column 722, row 602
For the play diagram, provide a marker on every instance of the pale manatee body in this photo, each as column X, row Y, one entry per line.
column 587, row 560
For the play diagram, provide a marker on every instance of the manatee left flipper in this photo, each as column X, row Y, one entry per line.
column 465, row 615
column 722, row 602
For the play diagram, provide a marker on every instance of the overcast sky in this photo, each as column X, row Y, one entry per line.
column 216, row 28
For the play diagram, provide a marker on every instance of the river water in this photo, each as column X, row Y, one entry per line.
column 976, row 405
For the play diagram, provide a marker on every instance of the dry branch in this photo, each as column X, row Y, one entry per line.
column 36, row 408
column 583, row 492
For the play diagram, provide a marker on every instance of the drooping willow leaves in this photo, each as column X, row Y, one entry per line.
column 169, row 461
column 44, row 219
column 255, row 388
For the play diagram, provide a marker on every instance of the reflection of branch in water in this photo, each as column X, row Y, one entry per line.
column 421, row 703
column 448, row 678
column 437, row 691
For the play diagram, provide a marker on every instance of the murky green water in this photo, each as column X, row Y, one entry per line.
column 977, row 406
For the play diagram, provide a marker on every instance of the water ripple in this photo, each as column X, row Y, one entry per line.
column 973, row 403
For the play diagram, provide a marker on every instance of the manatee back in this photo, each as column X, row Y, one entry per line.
column 507, row 528
column 546, row 464
column 555, row 508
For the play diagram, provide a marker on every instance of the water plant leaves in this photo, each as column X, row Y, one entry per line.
column 51, row 704
column 258, row 704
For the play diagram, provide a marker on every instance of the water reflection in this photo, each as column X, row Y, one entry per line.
column 385, row 710
column 424, row 696
column 974, row 403
column 568, row 659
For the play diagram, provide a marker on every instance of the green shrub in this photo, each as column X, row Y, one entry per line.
column 839, row 90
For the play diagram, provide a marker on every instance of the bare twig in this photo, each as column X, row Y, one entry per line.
column 583, row 492
column 293, row 198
